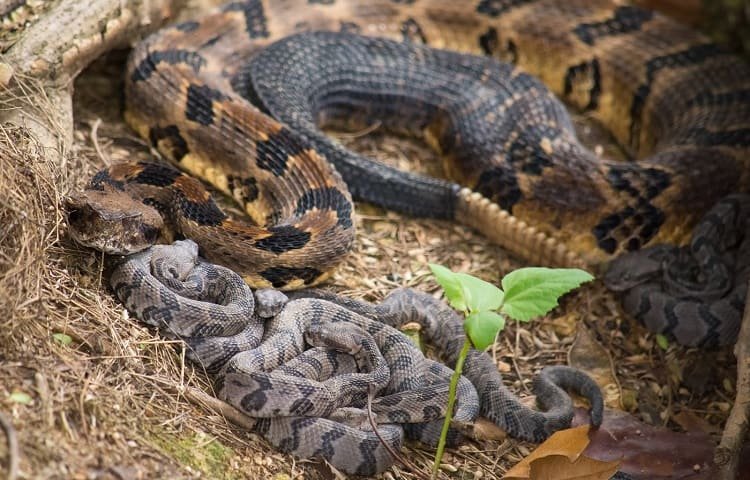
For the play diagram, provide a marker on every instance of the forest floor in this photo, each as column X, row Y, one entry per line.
column 92, row 393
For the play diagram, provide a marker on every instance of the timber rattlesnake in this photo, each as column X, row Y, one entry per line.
column 668, row 95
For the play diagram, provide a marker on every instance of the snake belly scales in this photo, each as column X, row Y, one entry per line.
column 668, row 96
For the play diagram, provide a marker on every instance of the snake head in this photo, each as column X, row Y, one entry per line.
column 269, row 302
column 111, row 221
column 635, row 268
column 343, row 337
column 174, row 262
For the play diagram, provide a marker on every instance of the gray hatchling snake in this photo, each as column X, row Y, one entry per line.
column 696, row 293
column 305, row 368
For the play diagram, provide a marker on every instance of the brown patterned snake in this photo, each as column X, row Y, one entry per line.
column 668, row 96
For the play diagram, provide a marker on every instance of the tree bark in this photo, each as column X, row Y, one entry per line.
column 37, row 73
column 727, row 455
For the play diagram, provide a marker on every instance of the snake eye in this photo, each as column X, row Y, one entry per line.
column 150, row 233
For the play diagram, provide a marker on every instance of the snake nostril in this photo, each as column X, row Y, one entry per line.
column 150, row 233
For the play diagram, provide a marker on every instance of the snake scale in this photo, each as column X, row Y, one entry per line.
column 303, row 369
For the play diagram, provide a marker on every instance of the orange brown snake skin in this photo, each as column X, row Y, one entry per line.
column 666, row 94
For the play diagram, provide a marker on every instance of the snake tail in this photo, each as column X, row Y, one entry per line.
column 510, row 232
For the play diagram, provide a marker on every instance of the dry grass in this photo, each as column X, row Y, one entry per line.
column 111, row 403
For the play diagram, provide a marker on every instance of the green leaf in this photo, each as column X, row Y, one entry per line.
column 662, row 341
column 532, row 292
column 479, row 295
column 20, row 397
column 453, row 291
column 482, row 328
column 62, row 339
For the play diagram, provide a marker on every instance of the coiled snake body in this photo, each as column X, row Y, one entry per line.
column 668, row 96
column 310, row 401
column 695, row 293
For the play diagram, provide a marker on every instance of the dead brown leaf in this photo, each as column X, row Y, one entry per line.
column 559, row 458
column 556, row 467
column 650, row 452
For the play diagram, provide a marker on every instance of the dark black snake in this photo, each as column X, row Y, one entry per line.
column 327, row 78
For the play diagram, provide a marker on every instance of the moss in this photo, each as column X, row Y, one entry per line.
column 198, row 452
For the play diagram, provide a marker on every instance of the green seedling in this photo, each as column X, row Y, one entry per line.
column 526, row 293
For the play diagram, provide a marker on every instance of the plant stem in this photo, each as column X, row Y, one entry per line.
column 451, row 402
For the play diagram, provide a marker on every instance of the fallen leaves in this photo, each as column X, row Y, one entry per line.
column 622, row 442
column 650, row 452
column 560, row 458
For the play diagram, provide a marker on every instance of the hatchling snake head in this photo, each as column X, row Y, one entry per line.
column 635, row 268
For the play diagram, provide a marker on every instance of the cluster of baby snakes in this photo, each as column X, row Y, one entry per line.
column 304, row 369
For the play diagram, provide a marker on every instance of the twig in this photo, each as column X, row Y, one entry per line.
column 201, row 398
column 727, row 455
column 95, row 140
column 361, row 133
column 417, row 471
column 517, row 348
column 10, row 433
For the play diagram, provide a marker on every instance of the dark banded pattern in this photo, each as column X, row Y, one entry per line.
column 304, row 369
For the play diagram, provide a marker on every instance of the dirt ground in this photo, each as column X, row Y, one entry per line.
column 91, row 393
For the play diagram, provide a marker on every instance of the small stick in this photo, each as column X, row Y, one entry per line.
column 10, row 433
column 417, row 471
column 95, row 140
column 235, row 416
column 727, row 454
column 367, row 130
